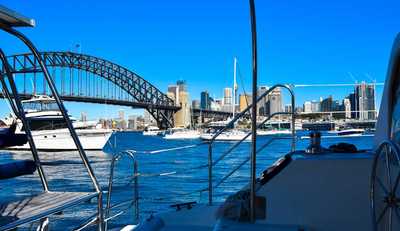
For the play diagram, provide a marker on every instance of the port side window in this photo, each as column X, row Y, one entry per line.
column 395, row 126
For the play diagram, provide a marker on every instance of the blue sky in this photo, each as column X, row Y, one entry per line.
column 163, row 41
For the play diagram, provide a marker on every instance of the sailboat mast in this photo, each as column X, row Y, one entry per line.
column 234, row 87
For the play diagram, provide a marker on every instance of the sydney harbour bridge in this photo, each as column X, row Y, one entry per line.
column 84, row 78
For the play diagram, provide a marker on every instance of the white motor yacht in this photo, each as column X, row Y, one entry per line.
column 49, row 129
column 181, row 133
column 230, row 135
column 351, row 132
column 273, row 132
column 151, row 131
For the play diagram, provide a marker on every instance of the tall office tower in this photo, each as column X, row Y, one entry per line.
column 315, row 106
column 182, row 117
column 307, row 107
column 205, row 101
column 347, row 108
column 274, row 103
column 262, row 104
column 353, row 105
column 132, row 122
column 327, row 104
column 83, row 116
column 173, row 93
column 227, row 96
column 244, row 101
column 365, row 100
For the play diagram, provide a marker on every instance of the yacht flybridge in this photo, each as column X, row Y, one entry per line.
column 315, row 189
column 50, row 132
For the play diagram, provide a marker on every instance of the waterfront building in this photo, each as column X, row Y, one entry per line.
column 326, row 104
column 362, row 102
column 228, row 96
column 299, row 109
column 132, row 122
column 244, row 101
column 274, row 102
column 220, row 102
column 288, row 108
column 205, row 101
column 353, row 105
column 215, row 106
column 181, row 96
column 315, row 106
column 195, row 104
column 173, row 93
column 365, row 96
column 83, row 116
column 262, row 104
column 347, row 108
column 307, row 107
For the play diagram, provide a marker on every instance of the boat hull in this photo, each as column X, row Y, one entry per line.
column 182, row 136
column 61, row 140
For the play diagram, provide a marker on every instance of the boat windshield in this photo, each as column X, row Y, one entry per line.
column 48, row 105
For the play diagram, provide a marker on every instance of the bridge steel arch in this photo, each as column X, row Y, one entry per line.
column 147, row 96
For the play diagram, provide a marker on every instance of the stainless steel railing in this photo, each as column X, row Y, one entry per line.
column 135, row 200
column 211, row 163
column 25, row 40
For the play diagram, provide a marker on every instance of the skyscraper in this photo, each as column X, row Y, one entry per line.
column 347, row 108
column 195, row 104
column 262, row 104
column 315, row 106
column 173, row 93
column 181, row 97
column 205, row 100
column 365, row 96
column 353, row 105
column 244, row 101
column 228, row 96
column 327, row 104
column 274, row 103
column 307, row 107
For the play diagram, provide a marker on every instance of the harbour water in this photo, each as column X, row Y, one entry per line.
column 159, row 186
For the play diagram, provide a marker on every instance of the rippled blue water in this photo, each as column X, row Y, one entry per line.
column 65, row 172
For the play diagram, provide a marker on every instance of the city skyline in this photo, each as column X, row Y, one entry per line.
column 293, row 48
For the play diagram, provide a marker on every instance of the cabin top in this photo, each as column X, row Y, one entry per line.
column 40, row 103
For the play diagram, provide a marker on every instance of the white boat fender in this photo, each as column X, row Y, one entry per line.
column 150, row 224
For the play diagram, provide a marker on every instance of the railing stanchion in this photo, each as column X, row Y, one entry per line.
column 210, row 183
column 136, row 185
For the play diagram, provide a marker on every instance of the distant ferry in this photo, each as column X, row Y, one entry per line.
column 50, row 132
